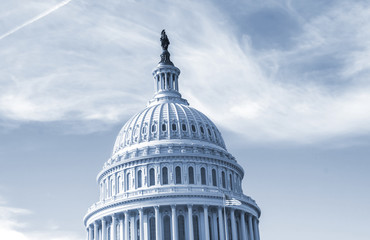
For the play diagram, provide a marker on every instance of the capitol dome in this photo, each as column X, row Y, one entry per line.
column 167, row 121
column 170, row 176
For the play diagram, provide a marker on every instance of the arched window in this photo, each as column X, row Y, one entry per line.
column 223, row 180
column 193, row 128
column 191, row 175
column 118, row 184
column 105, row 192
column 174, row 127
column 166, row 228
column 196, row 227
column 184, row 127
column 164, row 127
column 152, row 228
column 178, row 175
column 214, row 178
column 181, row 227
column 139, row 179
column 101, row 191
column 203, row 175
column 164, row 176
column 231, row 182
column 151, row 177
column 128, row 181
column 154, row 128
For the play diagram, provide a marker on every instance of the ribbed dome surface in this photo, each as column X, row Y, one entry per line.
column 168, row 120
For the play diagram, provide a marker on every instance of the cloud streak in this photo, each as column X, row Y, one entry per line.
column 32, row 20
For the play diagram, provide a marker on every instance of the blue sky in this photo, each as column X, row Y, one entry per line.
column 286, row 82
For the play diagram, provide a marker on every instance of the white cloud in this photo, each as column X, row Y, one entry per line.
column 12, row 227
column 91, row 62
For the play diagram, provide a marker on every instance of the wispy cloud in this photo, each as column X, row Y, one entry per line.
column 95, row 67
column 12, row 227
column 32, row 20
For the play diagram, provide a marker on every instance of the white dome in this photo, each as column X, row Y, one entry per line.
column 168, row 120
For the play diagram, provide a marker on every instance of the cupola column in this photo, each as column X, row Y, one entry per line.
column 243, row 228
column 174, row 222
column 221, row 224
column 121, row 228
column 256, row 231
column 114, row 228
column 157, row 223
column 214, row 224
column 250, row 226
column 141, row 223
column 126, row 225
column 190, row 221
column 96, row 230
column 91, row 236
column 206, row 223
column 233, row 223
column 103, row 229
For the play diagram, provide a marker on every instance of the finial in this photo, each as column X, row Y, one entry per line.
column 165, row 56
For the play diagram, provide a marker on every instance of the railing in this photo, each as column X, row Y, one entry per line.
column 169, row 189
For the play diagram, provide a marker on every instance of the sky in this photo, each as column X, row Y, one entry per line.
column 286, row 82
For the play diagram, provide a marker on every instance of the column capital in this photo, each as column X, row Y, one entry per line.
column 173, row 206
column 156, row 207
column 96, row 223
column 205, row 206
column 103, row 220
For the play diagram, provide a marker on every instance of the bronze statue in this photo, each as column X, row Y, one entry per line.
column 164, row 40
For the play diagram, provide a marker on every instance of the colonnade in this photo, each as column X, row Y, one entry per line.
column 180, row 222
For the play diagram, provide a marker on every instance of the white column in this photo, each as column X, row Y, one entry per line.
column 206, row 223
column 233, row 224
column 256, row 232
column 103, row 229
column 113, row 228
column 126, row 225
column 141, row 222
column 157, row 223
column 91, row 236
column 250, row 226
column 214, row 224
column 121, row 228
column 165, row 81
column 96, row 231
column 133, row 228
column 242, row 222
column 190, row 221
column 146, row 227
column 174, row 222
column 221, row 223
column 177, row 83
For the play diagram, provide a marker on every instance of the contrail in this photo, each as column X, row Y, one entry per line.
column 38, row 17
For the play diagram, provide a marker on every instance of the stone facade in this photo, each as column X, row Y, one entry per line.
column 168, row 176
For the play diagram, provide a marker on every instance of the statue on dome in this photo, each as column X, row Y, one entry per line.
column 164, row 40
